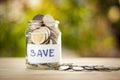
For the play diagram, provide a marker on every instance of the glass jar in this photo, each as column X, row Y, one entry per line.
column 43, row 45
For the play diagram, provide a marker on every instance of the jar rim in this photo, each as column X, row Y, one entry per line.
column 55, row 21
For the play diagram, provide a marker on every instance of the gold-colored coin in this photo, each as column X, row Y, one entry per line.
column 38, row 36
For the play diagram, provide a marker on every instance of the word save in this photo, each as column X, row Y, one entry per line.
column 42, row 53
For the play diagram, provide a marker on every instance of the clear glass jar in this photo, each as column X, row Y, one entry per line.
column 43, row 45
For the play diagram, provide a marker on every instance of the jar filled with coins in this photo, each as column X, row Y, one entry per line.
column 43, row 43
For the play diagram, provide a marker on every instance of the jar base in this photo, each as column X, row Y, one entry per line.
column 44, row 66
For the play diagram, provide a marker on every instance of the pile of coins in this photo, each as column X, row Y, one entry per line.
column 73, row 67
column 43, row 30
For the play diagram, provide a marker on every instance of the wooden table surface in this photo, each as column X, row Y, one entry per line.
column 15, row 69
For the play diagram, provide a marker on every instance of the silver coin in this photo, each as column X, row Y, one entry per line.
column 77, row 68
column 100, row 67
column 46, row 32
column 48, row 20
column 63, row 68
column 88, row 67
column 46, row 42
column 38, row 17
column 54, row 35
column 54, row 29
column 114, row 68
column 53, row 40
column 35, row 26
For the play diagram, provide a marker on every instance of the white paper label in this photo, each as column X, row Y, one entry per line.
column 43, row 53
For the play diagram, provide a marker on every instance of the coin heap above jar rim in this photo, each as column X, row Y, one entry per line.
column 44, row 30
column 44, row 20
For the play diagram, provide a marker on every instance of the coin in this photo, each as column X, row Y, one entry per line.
column 63, row 68
column 54, row 35
column 54, row 41
column 100, row 67
column 55, row 31
column 48, row 20
column 77, row 68
column 88, row 67
column 38, row 36
column 47, row 31
column 38, row 17
column 35, row 26
column 50, row 41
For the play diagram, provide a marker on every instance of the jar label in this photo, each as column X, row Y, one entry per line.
column 43, row 53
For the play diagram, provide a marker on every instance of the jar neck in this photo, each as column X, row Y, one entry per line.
column 33, row 24
column 41, row 22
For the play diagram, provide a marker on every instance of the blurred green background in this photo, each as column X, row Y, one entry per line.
column 90, row 28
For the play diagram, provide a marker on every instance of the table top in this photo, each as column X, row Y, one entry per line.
column 15, row 69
